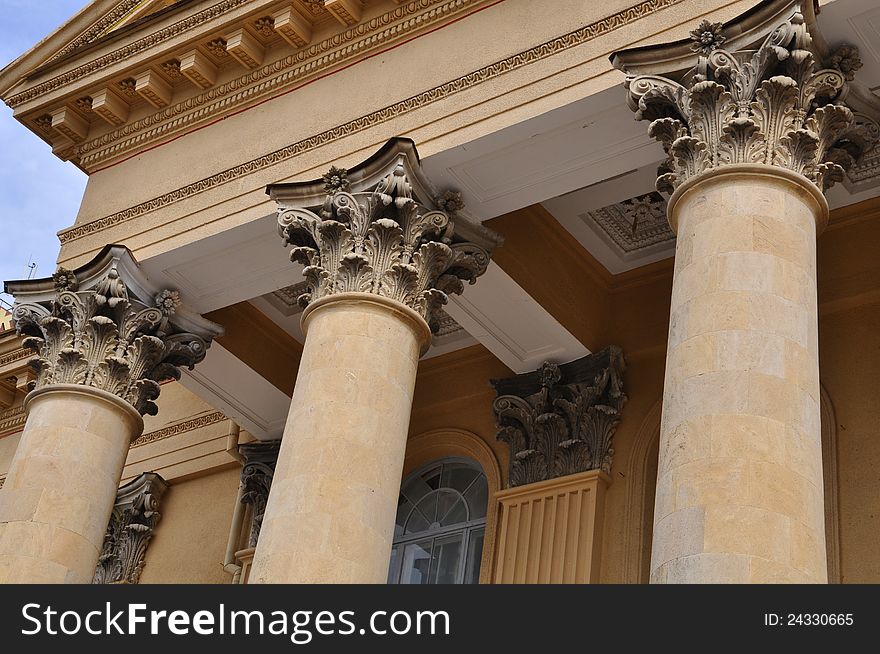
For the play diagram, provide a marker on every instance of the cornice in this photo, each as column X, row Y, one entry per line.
column 179, row 428
column 95, row 29
column 12, row 419
column 299, row 66
column 470, row 80
column 129, row 50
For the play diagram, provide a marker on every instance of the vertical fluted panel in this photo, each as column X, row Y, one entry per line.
column 551, row 531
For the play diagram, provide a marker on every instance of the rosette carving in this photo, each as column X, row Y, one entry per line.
column 560, row 420
column 104, row 338
column 383, row 240
column 777, row 105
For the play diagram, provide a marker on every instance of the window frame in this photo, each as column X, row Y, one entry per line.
column 466, row 528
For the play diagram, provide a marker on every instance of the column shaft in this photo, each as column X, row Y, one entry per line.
column 739, row 488
column 330, row 515
column 60, row 490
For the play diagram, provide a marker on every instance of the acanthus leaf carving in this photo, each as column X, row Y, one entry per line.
column 383, row 240
column 774, row 105
column 257, row 472
column 134, row 518
column 104, row 338
column 561, row 419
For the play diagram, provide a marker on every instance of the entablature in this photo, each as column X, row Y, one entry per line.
column 133, row 79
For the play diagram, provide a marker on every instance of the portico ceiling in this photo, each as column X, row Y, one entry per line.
column 589, row 161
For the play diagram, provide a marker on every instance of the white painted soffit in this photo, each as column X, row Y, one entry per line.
column 231, row 386
column 578, row 211
column 511, row 324
column 233, row 266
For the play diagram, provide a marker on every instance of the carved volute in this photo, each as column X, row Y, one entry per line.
column 131, row 527
column 560, row 419
column 104, row 327
column 380, row 229
column 256, row 481
column 777, row 101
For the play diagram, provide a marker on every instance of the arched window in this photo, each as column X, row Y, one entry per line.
column 441, row 520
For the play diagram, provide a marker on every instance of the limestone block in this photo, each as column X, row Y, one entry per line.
column 60, row 489
column 739, row 488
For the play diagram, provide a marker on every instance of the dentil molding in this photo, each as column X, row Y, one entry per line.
column 435, row 94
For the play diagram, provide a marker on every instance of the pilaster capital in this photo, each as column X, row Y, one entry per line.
column 134, row 518
column 560, row 419
column 105, row 326
column 380, row 228
column 758, row 90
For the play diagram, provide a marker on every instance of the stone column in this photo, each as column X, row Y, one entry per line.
column 103, row 344
column 378, row 261
column 753, row 136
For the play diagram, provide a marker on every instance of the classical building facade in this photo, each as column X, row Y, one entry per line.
column 451, row 291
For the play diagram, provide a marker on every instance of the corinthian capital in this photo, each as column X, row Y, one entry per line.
column 104, row 326
column 380, row 229
column 772, row 97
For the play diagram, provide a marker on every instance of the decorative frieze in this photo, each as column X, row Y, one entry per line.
column 179, row 428
column 102, row 329
column 127, row 51
column 257, row 471
column 96, row 29
column 774, row 104
column 110, row 146
column 381, row 236
column 560, row 419
column 13, row 356
column 131, row 528
column 12, row 419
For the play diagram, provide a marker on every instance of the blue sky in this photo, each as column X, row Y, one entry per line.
column 39, row 194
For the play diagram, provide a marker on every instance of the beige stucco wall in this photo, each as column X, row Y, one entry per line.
column 190, row 540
